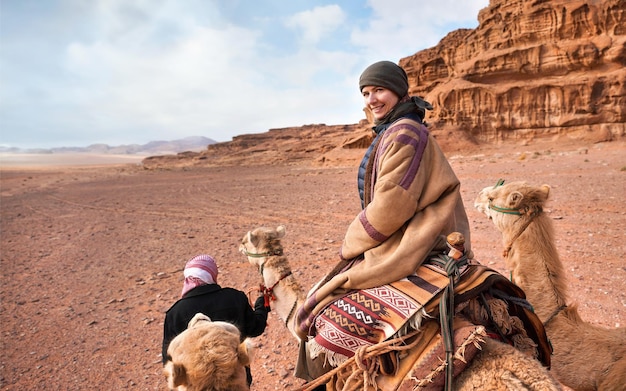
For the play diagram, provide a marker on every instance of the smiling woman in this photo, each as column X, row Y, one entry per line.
column 410, row 198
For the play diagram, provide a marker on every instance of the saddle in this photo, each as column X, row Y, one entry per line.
column 363, row 318
column 409, row 313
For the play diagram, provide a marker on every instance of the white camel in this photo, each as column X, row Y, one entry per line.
column 586, row 357
column 497, row 366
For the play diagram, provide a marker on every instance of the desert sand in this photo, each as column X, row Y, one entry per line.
column 92, row 255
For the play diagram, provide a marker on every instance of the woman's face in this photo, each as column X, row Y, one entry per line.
column 379, row 100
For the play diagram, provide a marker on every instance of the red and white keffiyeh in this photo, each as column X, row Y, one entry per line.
column 199, row 270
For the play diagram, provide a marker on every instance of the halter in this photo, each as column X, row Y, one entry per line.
column 508, row 211
column 516, row 212
column 270, row 253
column 278, row 252
column 268, row 293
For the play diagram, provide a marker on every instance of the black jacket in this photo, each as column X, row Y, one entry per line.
column 223, row 304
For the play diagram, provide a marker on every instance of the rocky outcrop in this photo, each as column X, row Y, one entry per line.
column 530, row 69
column 333, row 144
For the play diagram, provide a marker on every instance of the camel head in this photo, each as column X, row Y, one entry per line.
column 207, row 356
column 262, row 242
column 504, row 203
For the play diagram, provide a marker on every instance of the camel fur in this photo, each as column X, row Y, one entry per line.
column 207, row 356
column 498, row 366
column 586, row 357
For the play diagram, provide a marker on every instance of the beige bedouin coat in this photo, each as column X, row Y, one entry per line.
column 413, row 201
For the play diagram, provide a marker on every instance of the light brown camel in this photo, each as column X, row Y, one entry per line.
column 207, row 356
column 586, row 357
column 497, row 366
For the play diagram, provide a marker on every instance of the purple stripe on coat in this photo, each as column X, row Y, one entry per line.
column 369, row 228
column 418, row 142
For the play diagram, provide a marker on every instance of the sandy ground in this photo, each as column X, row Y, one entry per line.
column 92, row 256
column 38, row 160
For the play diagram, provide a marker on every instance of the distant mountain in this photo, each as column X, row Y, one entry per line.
column 193, row 144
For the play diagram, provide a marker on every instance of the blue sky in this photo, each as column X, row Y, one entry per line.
column 80, row 72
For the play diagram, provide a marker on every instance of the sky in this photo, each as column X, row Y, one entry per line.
column 117, row 72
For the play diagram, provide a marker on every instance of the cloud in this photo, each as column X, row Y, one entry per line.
column 116, row 71
column 316, row 23
column 399, row 28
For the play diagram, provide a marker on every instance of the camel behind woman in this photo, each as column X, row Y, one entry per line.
column 497, row 366
column 586, row 357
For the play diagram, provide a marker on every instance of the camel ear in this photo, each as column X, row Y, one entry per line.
column 199, row 317
column 514, row 199
column 545, row 190
column 281, row 231
column 179, row 375
column 243, row 353
column 253, row 239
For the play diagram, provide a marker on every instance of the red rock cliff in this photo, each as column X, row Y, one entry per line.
column 530, row 69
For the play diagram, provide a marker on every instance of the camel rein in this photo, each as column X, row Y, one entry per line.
column 268, row 293
column 554, row 314
column 517, row 212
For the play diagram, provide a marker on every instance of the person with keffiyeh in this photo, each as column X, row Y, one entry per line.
column 201, row 293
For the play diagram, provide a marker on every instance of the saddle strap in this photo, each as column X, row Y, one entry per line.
column 452, row 268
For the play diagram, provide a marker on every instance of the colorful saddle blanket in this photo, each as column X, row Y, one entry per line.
column 366, row 317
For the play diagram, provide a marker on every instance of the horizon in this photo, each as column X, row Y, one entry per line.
column 8, row 149
column 120, row 73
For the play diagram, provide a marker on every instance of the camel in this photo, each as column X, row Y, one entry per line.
column 208, row 356
column 497, row 366
column 585, row 357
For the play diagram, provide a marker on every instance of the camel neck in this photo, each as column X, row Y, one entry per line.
column 537, row 269
column 286, row 293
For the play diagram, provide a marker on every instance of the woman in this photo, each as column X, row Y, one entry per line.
column 410, row 197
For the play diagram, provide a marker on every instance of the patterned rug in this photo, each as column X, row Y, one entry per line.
column 369, row 316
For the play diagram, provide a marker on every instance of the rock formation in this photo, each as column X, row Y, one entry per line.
column 530, row 69
column 339, row 144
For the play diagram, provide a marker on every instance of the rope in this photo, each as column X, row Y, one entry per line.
column 520, row 213
column 554, row 314
column 268, row 293
column 495, row 325
column 293, row 308
column 514, row 299
column 365, row 364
